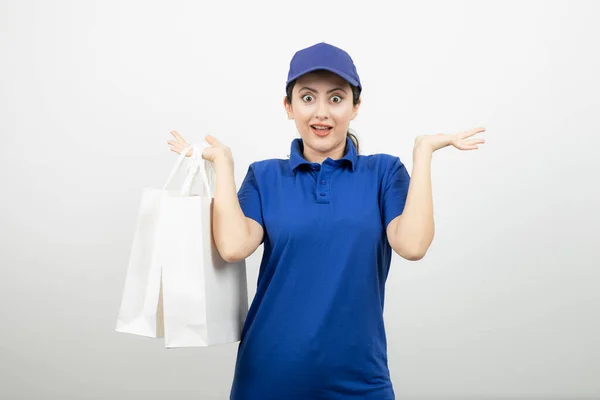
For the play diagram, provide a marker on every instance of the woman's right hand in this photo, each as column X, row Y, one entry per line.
column 179, row 144
column 218, row 152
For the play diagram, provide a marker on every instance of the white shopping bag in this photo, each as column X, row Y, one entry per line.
column 177, row 285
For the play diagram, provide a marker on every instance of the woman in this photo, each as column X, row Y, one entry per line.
column 329, row 219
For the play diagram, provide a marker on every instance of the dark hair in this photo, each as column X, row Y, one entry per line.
column 355, row 96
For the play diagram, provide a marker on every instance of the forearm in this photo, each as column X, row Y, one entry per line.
column 230, row 227
column 416, row 228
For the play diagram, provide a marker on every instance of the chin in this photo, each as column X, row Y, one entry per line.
column 323, row 144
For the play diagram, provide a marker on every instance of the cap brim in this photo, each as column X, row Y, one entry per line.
column 343, row 75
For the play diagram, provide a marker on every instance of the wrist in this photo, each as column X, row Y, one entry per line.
column 223, row 163
column 422, row 148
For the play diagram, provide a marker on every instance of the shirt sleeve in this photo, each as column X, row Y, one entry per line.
column 249, row 197
column 394, row 190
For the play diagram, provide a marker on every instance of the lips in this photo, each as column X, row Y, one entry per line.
column 321, row 130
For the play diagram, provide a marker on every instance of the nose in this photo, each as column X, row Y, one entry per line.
column 322, row 109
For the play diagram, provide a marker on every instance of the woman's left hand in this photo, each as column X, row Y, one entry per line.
column 459, row 140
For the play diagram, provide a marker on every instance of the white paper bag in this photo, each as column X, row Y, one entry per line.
column 177, row 285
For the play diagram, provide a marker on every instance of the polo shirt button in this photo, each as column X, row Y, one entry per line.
column 322, row 194
column 323, row 182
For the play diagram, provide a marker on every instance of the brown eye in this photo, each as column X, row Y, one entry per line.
column 338, row 97
column 305, row 96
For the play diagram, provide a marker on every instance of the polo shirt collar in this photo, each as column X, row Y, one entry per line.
column 297, row 159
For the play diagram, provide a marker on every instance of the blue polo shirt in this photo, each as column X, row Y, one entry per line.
column 315, row 328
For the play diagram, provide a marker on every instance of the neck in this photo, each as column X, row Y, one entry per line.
column 313, row 156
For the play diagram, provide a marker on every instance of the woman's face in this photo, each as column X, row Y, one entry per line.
column 322, row 99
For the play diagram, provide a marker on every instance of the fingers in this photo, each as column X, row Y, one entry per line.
column 179, row 148
column 211, row 140
column 471, row 132
column 208, row 154
column 175, row 145
column 468, row 144
column 177, row 136
column 179, row 145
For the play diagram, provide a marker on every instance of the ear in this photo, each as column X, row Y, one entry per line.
column 356, row 107
column 287, row 106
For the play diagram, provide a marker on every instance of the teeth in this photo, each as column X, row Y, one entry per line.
column 322, row 128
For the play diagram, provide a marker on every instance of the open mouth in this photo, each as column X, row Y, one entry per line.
column 320, row 130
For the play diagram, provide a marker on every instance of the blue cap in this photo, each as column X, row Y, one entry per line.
column 323, row 56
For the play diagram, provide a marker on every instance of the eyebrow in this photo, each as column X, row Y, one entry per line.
column 329, row 91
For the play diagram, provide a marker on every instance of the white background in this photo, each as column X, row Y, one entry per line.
column 505, row 305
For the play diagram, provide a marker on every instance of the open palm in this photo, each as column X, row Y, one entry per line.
column 460, row 140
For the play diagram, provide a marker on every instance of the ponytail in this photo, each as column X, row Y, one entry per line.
column 354, row 139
